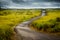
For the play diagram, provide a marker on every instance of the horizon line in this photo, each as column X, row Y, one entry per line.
column 29, row 7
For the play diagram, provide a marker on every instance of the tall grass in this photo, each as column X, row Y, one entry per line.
column 48, row 23
column 11, row 18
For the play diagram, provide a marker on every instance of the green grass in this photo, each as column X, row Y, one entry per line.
column 48, row 23
column 11, row 18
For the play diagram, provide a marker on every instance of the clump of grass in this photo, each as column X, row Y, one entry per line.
column 6, row 32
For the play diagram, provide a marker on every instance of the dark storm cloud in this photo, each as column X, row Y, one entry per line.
column 29, row 3
column 18, row 1
column 3, row 3
column 48, row 0
column 36, row 0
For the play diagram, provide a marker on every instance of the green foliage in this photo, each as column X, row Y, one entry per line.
column 6, row 34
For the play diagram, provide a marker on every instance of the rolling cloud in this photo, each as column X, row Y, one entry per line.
column 29, row 3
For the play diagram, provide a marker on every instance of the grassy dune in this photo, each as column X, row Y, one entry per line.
column 11, row 18
column 48, row 23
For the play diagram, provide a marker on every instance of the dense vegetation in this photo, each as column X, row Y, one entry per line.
column 11, row 18
column 48, row 23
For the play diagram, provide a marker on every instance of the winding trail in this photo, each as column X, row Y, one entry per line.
column 25, row 33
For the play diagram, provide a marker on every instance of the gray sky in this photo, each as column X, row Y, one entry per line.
column 29, row 4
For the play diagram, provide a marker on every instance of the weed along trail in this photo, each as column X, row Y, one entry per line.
column 23, row 32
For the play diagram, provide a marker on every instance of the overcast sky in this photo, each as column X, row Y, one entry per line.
column 29, row 3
